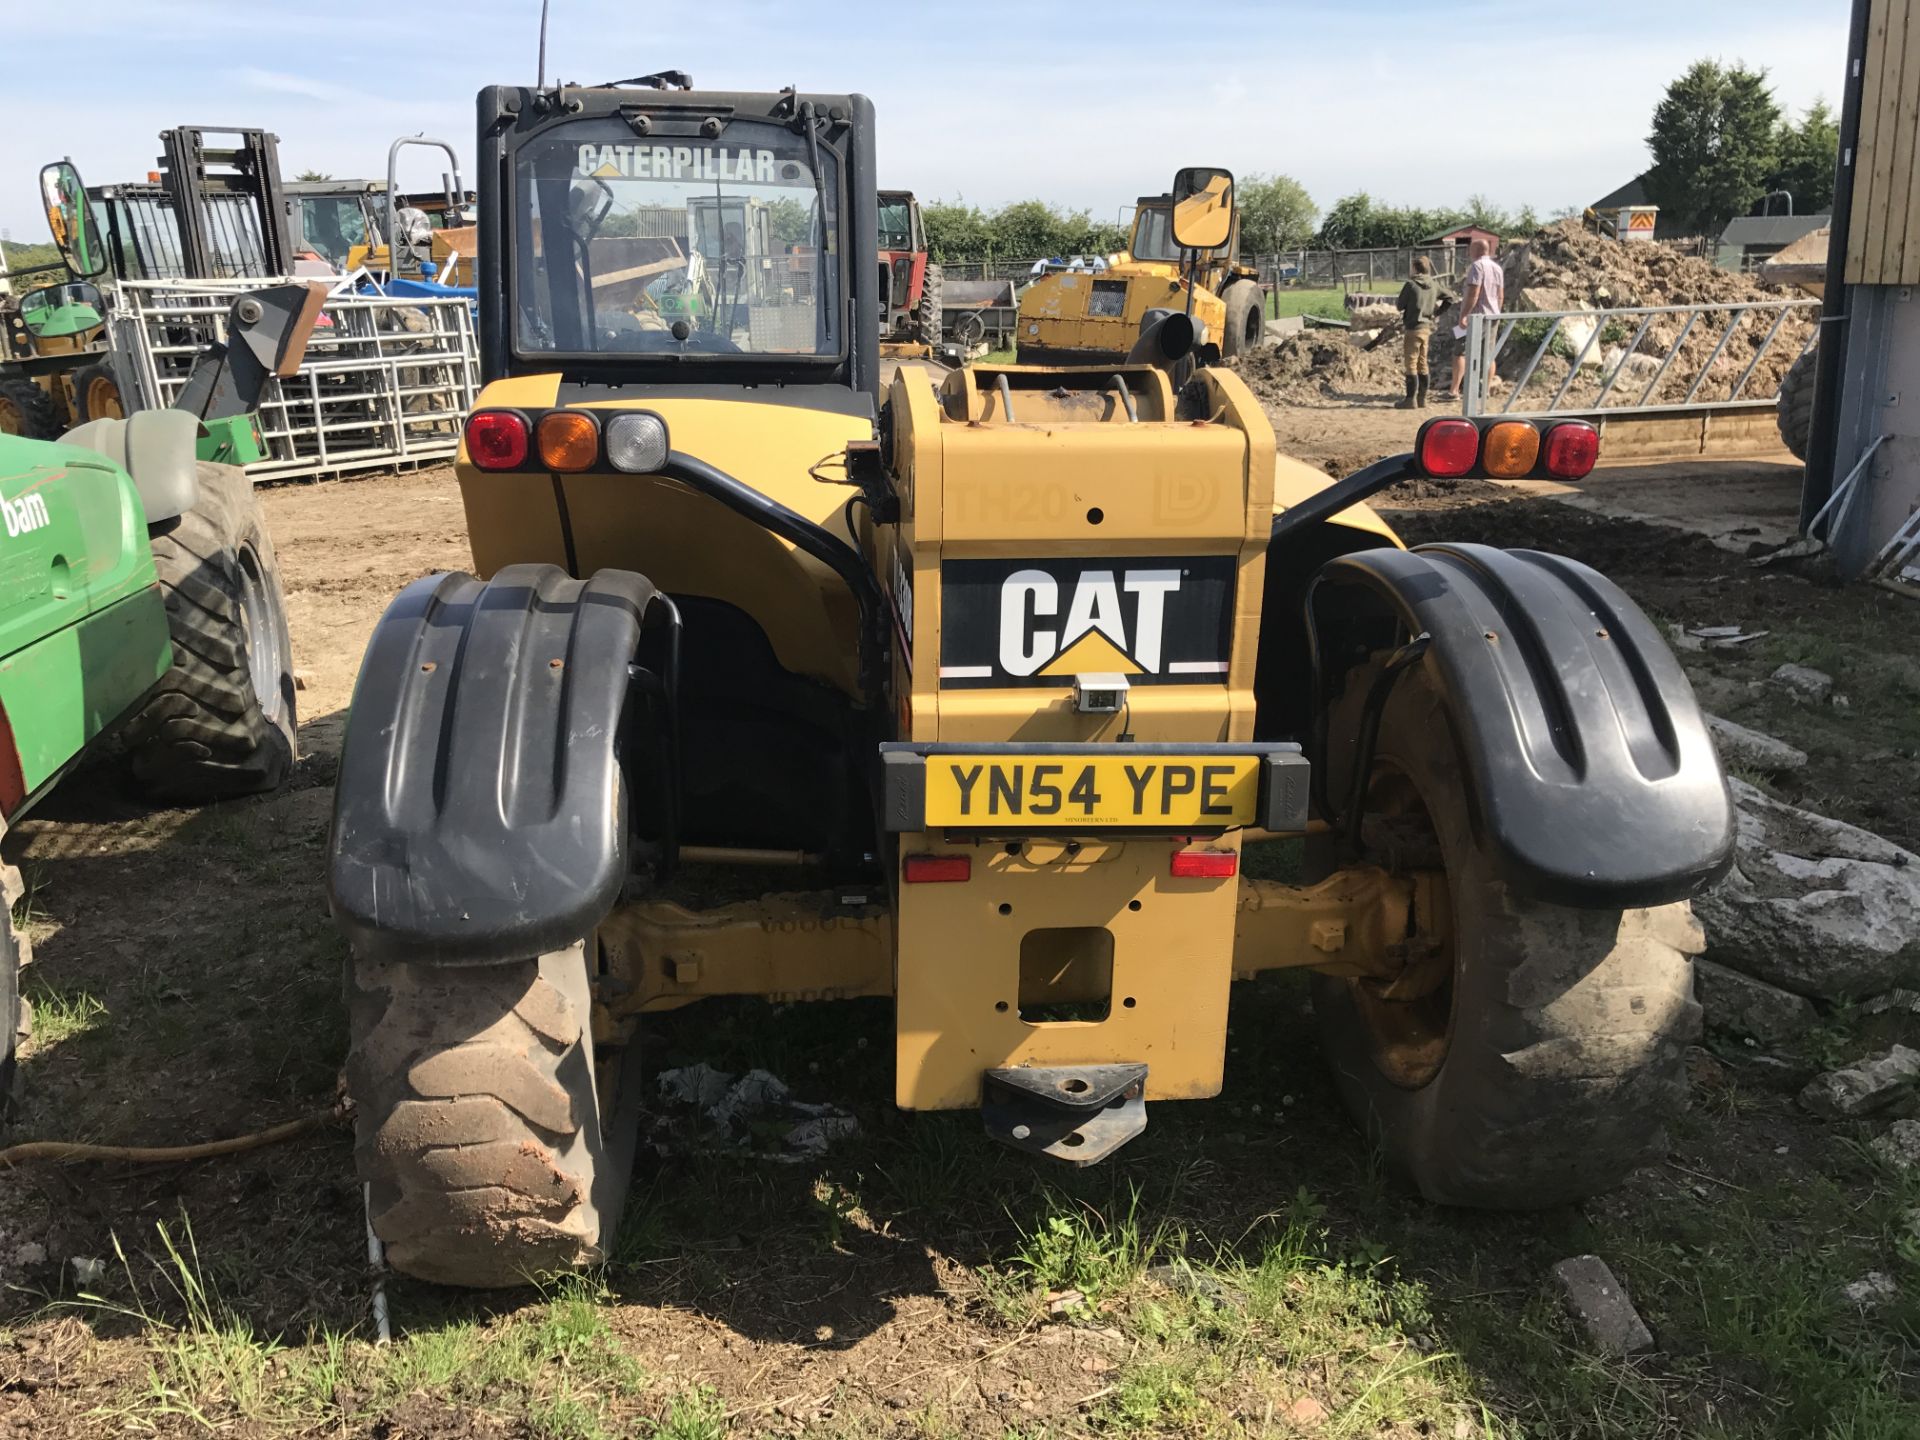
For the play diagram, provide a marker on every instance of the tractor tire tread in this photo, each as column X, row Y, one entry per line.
column 1246, row 322
column 83, row 380
column 203, row 734
column 38, row 414
column 478, row 1124
column 1568, row 1051
column 16, row 952
column 1793, row 410
column 928, row 317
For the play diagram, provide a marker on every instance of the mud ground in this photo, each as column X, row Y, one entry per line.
column 189, row 985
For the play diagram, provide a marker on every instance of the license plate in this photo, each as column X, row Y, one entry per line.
column 1156, row 791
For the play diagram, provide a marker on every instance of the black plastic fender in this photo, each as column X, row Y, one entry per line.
column 1595, row 780
column 481, row 812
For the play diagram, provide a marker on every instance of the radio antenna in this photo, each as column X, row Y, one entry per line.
column 540, row 82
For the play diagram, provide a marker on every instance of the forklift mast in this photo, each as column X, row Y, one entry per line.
column 211, row 211
column 195, row 172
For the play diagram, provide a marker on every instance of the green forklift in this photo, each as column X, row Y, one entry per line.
column 140, row 601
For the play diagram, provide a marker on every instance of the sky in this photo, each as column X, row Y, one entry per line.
column 1523, row 101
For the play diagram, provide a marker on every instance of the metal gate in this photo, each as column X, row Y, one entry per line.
column 1636, row 360
column 386, row 381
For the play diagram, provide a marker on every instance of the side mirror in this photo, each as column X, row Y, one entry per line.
column 1202, row 208
column 56, row 312
column 70, row 217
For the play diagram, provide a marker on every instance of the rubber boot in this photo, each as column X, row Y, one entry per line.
column 1407, row 403
column 1420, row 393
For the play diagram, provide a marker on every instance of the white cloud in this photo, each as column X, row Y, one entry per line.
column 1526, row 101
column 278, row 82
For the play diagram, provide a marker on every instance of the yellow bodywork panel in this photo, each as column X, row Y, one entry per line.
column 686, row 543
column 1078, row 949
column 1076, row 479
column 1054, row 310
column 967, row 952
column 1295, row 480
column 1046, row 929
column 1017, row 464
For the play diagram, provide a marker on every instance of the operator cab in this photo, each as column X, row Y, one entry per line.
column 1153, row 234
column 667, row 236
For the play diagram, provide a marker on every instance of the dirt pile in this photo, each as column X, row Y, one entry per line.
column 1602, row 273
column 1565, row 267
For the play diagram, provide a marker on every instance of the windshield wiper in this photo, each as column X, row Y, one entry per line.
column 807, row 117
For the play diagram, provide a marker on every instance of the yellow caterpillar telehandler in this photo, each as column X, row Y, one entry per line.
column 1017, row 663
column 1076, row 317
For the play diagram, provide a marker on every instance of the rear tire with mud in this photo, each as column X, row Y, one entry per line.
column 927, row 315
column 1539, row 1056
column 1794, row 409
column 1246, row 318
column 222, row 721
column 491, row 1154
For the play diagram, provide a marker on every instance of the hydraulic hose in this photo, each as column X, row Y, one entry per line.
column 67, row 1151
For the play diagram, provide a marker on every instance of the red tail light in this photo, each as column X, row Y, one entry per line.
column 1571, row 450
column 1205, row 864
column 1448, row 448
column 936, row 869
column 497, row 440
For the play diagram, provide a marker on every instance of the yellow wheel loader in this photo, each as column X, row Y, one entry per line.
column 1076, row 317
column 1015, row 666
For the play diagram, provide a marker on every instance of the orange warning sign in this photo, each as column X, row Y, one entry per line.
column 1640, row 221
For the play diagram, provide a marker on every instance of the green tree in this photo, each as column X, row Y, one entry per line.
column 1276, row 213
column 956, row 230
column 1807, row 155
column 312, row 176
column 1023, row 230
column 791, row 221
column 1714, row 140
column 1348, row 224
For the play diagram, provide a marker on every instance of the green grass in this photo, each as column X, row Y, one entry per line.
column 1076, row 1255
column 1284, row 301
column 62, row 1014
column 1229, row 1331
column 556, row 1367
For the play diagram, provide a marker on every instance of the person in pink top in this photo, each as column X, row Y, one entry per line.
column 1485, row 293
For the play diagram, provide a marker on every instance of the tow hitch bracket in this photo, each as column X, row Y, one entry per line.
column 1078, row 1113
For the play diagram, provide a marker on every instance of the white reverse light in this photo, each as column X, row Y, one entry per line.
column 637, row 442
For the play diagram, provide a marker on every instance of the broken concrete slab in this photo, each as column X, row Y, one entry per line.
column 1813, row 905
column 1753, row 749
column 1599, row 1305
column 1864, row 1086
column 1803, row 682
column 1738, row 1004
column 1900, row 1146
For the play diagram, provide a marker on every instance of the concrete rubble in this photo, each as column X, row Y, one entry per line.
column 1562, row 267
column 1737, row 1004
column 1599, row 1305
column 1864, row 1086
column 1803, row 683
column 1753, row 749
column 1900, row 1146
column 1813, row 905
